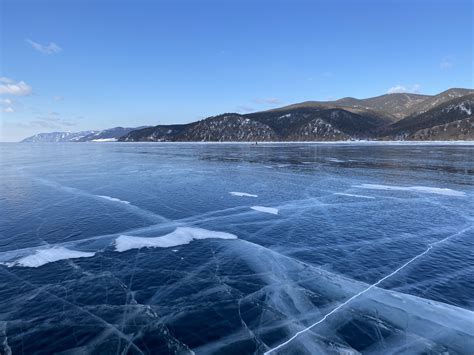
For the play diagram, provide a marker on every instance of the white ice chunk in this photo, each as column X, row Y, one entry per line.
column 181, row 236
column 265, row 209
column 421, row 189
column 242, row 194
column 113, row 199
column 353, row 195
column 45, row 256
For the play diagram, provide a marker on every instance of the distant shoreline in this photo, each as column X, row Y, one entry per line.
column 375, row 142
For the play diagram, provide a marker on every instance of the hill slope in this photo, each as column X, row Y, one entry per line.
column 391, row 116
column 448, row 111
column 387, row 117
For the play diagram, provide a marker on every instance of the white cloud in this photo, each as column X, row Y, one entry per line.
column 51, row 48
column 10, row 87
column 446, row 63
column 8, row 109
column 415, row 88
column 397, row 89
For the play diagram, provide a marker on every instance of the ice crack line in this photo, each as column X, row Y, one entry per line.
column 430, row 246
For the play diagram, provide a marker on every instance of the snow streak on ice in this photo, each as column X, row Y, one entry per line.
column 113, row 199
column 422, row 189
column 353, row 195
column 182, row 235
column 45, row 256
column 263, row 209
column 242, row 194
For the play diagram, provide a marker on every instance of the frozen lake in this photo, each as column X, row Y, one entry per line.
column 236, row 248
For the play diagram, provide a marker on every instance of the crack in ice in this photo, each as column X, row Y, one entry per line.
column 430, row 246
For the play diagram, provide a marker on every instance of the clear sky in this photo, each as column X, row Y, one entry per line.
column 70, row 65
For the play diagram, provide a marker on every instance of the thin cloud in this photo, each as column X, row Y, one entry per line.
column 446, row 63
column 58, row 98
column 51, row 48
column 397, row 89
column 5, row 80
column 6, row 102
column 268, row 101
column 10, row 87
column 245, row 109
column 47, row 124
column 7, row 105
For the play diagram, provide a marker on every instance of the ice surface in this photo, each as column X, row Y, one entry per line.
column 270, row 210
column 365, row 290
column 113, row 199
column 182, row 235
column 421, row 189
column 382, row 275
column 152, row 217
column 242, row 194
column 45, row 256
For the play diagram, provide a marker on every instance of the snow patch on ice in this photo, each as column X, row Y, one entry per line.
column 113, row 199
column 45, row 256
column 270, row 210
column 242, row 194
column 353, row 195
column 181, row 236
column 105, row 140
column 421, row 189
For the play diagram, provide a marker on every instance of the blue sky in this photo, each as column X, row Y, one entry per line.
column 76, row 65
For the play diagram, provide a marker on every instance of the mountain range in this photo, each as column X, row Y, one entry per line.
column 398, row 116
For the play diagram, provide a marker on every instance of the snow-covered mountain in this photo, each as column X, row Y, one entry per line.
column 57, row 137
column 106, row 135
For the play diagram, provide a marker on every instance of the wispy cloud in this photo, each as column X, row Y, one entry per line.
column 6, row 101
column 48, row 122
column 244, row 109
column 50, row 48
column 446, row 63
column 268, row 101
column 6, row 80
column 10, row 87
column 414, row 88
column 58, row 98
column 7, row 105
